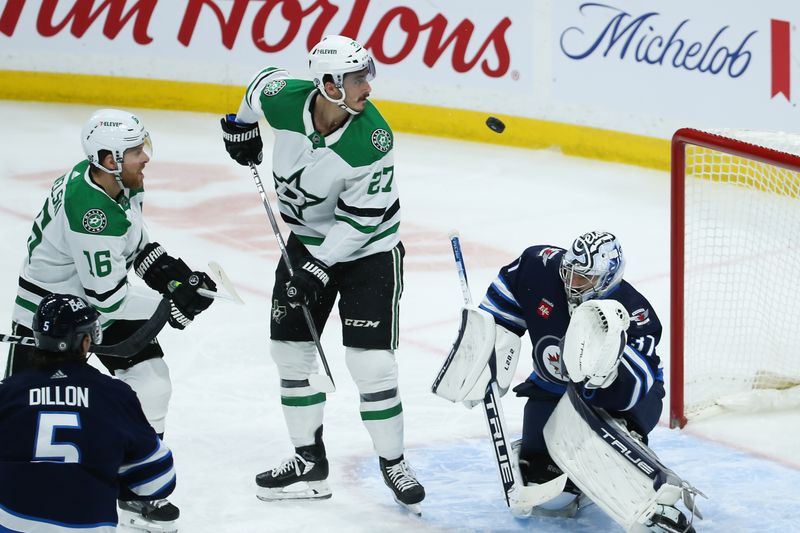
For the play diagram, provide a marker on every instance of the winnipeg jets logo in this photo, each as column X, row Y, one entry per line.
column 292, row 194
column 382, row 140
column 95, row 221
column 547, row 360
column 274, row 87
column 641, row 316
column 547, row 253
column 278, row 311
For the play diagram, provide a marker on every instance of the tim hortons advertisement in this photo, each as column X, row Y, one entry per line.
column 224, row 41
column 708, row 64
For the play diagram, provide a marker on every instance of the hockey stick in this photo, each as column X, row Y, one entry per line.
column 124, row 349
column 528, row 495
column 225, row 281
column 317, row 381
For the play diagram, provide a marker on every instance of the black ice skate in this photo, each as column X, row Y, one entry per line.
column 157, row 516
column 399, row 477
column 302, row 477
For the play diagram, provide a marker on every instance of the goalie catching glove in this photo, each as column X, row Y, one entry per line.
column 242, row 141
column 482, row 351
column 594, row 342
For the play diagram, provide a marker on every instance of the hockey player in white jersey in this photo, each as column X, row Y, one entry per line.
column 333, row 170
column 88, row 235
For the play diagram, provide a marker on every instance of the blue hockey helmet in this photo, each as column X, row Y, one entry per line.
column 61, row 322
column 592, row 267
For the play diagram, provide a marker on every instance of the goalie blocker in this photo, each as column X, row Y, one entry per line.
column 472, row 362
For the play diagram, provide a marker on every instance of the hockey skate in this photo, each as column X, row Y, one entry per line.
column 302, row 477
column 156, row 516
column 399, row 477
column 668, row 519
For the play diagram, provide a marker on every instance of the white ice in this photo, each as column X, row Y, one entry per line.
column 225, row 422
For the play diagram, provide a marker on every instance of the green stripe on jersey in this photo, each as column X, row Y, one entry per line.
column 309, row 241
column 25, row 304
column 383, row 234
column 356, row 225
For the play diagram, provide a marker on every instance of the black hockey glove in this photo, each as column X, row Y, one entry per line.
column 157, row 268
column 242, row 141
column 304, row 286
column 186, row 302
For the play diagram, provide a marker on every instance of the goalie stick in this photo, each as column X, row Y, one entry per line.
column 531, row 494
column 317, row 381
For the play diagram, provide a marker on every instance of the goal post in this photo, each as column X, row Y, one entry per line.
column 735, row 270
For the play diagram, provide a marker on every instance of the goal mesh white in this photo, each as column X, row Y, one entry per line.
column 736, row 256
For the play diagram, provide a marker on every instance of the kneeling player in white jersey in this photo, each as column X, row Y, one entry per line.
column 596, row 389
column 86, row 238
column 333, row 170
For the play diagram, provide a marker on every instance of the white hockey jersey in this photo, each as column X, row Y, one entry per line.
column 337, row 193
column 83, row 242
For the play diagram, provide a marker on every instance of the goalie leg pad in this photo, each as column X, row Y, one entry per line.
column 465, row 372
column 302, row 405
column 622, row 476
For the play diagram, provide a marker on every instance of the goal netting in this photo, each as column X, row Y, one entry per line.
column 735, row 324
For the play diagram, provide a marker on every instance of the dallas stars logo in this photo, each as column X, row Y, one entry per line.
column 292, row 194
column 94, row 221
column 278, row 311
column 274, row 87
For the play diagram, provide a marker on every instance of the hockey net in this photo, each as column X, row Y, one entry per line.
column 735, row 324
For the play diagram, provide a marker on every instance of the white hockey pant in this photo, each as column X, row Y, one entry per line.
column 151, row 383
column 303, row 406
column 375, row 375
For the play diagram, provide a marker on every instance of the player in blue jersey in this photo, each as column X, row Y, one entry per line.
column 537, row 293
column 595, row 392
column 73, row 440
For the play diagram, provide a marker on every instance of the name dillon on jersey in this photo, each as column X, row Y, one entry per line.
column 70, row 395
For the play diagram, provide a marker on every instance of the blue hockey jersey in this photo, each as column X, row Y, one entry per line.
column 72, row 441
column 528, row 295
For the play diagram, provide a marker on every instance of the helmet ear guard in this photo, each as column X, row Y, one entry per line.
column 596, row 257
column 62, row 321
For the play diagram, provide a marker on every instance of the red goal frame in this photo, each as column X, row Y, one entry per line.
column 719, row 143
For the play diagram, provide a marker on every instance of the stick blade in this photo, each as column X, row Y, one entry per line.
column 225, row 281
column 321, row 383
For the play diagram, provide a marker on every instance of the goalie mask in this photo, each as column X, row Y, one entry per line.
column 115, row 131
column 62, row 321
column 592, row 267
column 336, row 55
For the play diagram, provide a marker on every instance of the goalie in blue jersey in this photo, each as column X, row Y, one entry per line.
column 596, row 389
column 74, row 440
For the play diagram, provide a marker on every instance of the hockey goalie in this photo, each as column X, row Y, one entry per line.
column 595, row 393
column 605, row 462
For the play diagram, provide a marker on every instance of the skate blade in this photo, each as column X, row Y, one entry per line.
column 139, row 523
column 411, row 507
column 304, row 490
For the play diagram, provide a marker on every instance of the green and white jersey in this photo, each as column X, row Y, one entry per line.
column 83, row 242
column 337, row 193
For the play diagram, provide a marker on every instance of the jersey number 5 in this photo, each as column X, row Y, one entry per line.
column 45, row 448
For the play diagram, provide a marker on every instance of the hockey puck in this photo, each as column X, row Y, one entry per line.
column 495, row 124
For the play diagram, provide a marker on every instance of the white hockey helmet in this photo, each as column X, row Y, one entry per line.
column 592, row 267
column 337, row 55
column 116, row 131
